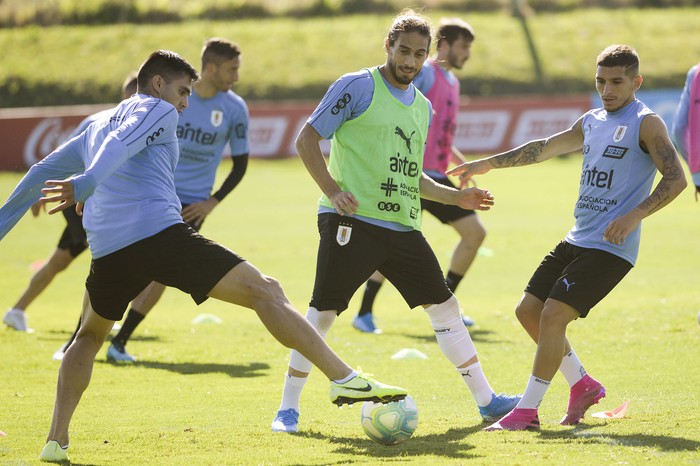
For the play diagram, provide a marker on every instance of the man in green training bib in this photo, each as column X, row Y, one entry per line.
column 369, row 216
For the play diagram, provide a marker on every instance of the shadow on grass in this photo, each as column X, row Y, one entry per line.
column 64, row 335
column 448, row 444
column 186, row 368
column 478, row 335
column 585, row 433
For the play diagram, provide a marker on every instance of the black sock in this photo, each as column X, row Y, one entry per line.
column 72, row 337
column 133, row 319
column 453, row 280
column 368, row 298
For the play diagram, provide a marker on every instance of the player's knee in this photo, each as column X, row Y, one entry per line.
column 59, row 261
column 479, row 233
column 554, row 317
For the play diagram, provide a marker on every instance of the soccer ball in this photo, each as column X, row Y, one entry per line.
column 391, row 423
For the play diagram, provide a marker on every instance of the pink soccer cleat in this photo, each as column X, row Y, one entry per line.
column 518, row 419
column 584, row 394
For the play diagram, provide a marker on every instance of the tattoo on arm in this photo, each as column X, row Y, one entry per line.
column 524, row 155
column 671, row 173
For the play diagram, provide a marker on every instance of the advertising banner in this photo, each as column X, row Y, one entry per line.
column 484, row 126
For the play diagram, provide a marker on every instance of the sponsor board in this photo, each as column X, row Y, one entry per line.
column 484, row 126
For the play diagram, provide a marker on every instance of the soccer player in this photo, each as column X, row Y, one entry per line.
column 122, row 170
column 214, row 117
column 685, row 130
column 369, row 215
column 439, row 84
column 623, row 145
column 72, row 243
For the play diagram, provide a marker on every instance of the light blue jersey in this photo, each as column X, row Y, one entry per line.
column 125, row 164
column 617, row 176
column 205, row 127
column 88, row 120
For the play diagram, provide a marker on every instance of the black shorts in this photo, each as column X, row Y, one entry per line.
column 177, row 256
column 74, row 238
column 579, row 277
column 446, row 213
column 404, row 258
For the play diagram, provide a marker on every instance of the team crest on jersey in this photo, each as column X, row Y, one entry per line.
column 620, row 133
column 217, row 117
column 343, row 235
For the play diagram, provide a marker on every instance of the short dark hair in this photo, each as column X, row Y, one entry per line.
column 451, row 29
column 409, row 21
column 216, row 50
column 167, row 64
column 130, row 84
column 620, row 55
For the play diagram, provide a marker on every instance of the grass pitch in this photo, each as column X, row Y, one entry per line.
column 206, row 394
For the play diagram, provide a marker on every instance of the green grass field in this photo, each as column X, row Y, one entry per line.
column 206, row 394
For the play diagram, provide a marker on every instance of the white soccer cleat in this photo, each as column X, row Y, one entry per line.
column 16, row 319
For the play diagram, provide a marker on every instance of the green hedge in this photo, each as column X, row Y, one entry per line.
column 20, row 13
column 286, row 59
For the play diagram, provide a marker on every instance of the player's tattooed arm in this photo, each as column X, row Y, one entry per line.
column 526, row 154
column 666, row 159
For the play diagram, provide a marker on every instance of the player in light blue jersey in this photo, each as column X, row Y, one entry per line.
column 120, row 171
column 215, row 117
column 624, row 145
column 72, row 243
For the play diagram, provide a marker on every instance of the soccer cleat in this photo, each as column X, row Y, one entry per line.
column 287, row 420
column 468, row 321
column 365, row 323
column 58, row 355
column 117, row 353
column 364, row 388
column 584, row 394
column 54, row 453
column 499, row 406
column 518, row 419
column 16, row 319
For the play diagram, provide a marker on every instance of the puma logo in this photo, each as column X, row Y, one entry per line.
column 398, row 131
column 568, row 285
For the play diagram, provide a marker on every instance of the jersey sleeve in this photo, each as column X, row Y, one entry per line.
column 62, row 163
column 347, row 98
column 146, row 126
column 680, row 120
column 238, row 140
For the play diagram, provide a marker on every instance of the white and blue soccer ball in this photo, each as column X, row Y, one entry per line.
column 390, row 423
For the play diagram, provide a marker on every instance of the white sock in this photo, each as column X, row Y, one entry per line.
column 456, row 343
column 534, row 393
column 476, row 381
column 291, row 394
column 322, row 322
column 352, row 375
column 571, row 368
column 452, row 336
column 293, row 386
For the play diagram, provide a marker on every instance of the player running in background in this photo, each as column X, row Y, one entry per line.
column 72, row 243
column 686, row 125
column 438, row 83
column 122, row 170
column 369, row 215
column 624, row 144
